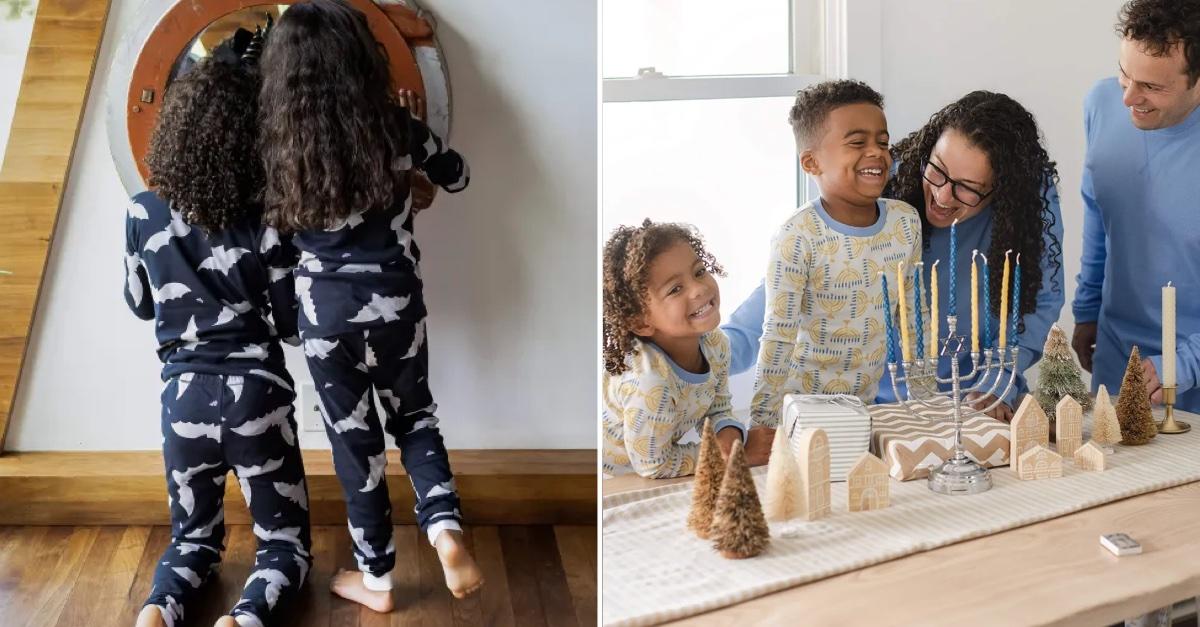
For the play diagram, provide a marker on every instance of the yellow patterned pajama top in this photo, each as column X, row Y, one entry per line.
column 824, row 332
column 652, row 405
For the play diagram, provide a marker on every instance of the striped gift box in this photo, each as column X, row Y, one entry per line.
column 911, row 442
column 844, row 419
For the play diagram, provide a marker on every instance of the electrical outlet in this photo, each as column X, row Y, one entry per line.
column 310, row 410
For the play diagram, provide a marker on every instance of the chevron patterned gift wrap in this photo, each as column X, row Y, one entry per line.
column 914, row 438
column 843, row 417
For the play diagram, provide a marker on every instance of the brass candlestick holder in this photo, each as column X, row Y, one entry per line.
column 1169, row 425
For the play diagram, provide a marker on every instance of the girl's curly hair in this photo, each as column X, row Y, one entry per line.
column 1023, row 175
column 627, row 258
column 334, row 138
column 203, row 155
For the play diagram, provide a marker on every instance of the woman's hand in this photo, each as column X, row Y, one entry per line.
column 979, row 400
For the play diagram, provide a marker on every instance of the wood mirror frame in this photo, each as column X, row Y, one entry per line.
column 54, row 89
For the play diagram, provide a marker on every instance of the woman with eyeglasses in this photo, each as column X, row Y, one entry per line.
column 979, row 161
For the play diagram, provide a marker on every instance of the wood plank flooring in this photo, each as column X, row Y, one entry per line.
column 98, row 576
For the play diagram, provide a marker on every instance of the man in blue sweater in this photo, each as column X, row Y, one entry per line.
column 1141, row 193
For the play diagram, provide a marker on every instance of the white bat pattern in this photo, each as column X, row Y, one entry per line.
column 276, row 418
column 271, row 465
column 223, row 259
column 304, row 294
column 206, row 530
column 294, row 492
column 441, row 489
column 358, row 535
column 251, row 351
column 270, row 239
column 357, row 418
column 187, row 499
column 275, row 579
column 381, row 307
column 132, row 280
column 418, row 340
column 170, row 291
column 378, row 464
column 177, row 228
column 194, row 430
column 188, row 575
column 318, row 347
column 137, row 210
column 287, row 534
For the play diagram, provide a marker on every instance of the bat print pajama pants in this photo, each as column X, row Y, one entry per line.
column 213, row 424
column 393, row 360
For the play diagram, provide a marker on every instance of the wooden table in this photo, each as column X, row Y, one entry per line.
column 1052, row 572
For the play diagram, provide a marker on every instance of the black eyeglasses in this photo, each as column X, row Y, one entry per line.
column 962, row 192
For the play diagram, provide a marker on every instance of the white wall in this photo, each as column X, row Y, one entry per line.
column 509, row 265
column 1045, row 54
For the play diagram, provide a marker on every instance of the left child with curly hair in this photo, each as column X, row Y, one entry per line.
column 219, row 284
column 666, row 363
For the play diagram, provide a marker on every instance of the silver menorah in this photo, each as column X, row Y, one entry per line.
column 959, row 474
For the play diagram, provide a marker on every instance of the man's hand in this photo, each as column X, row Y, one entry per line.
column 1001, row 412
column 1154, row 387
column 758, row 445
column 1084, row 343
column 412, row 101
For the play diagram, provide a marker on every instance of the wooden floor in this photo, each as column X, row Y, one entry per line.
column 97, row 576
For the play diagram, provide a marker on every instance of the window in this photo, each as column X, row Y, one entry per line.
column 696, row 97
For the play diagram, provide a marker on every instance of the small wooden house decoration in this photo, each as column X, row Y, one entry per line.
column 813, row 458
column 867, row 484
column 1029, row 428
column 1090, row 457
column 1039, row 462
column 1068, row 426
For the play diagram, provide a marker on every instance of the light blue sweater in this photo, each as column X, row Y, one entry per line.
column 1141, row 228
column 745, row 326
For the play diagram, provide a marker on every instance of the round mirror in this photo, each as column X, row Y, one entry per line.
column 173, row 34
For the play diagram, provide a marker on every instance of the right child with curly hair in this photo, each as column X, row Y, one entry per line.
column 666, row 363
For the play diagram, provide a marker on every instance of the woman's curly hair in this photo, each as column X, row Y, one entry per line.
column 334, row 138
column 627, row 258
column 1023, row 176
column 203, row 155
column 1162, row 24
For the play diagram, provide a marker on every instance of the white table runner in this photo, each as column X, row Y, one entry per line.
column 656, row 570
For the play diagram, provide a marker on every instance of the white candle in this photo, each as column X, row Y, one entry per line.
column 1168, row 335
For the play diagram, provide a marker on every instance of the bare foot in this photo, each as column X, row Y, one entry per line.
column 226, row 621
column 150, row 616
column 463, row 576
column 348, row 584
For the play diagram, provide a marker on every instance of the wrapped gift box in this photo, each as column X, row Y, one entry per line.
column 844, row 419
column 911, row 442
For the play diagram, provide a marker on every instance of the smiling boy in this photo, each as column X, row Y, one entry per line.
column 823, row 332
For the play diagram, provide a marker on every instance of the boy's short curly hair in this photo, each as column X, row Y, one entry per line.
column 627, row 258
column 813, row 105
column 203, row 156
column 1161, row 24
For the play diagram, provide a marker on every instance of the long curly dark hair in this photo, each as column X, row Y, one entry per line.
column 627, row 257
column 1161, row 24
column 334, row 139
column 1023, row 174
column 203, row 155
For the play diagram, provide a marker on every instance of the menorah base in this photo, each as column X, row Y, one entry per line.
column 960, row 476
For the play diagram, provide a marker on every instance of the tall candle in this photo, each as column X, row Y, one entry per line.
column 953, row 265
column 987, row 303
column 1168, row 335
column 905, row 344
column 1004, row 302
column 1016, row 301
column 974, row 303
column 933, row 309
column 887, row 322
column 918, row 305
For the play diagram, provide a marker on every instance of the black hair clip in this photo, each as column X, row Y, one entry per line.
column 255, row 47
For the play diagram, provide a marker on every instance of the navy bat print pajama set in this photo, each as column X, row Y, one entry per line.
column 362, row 320
column 221, row 303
